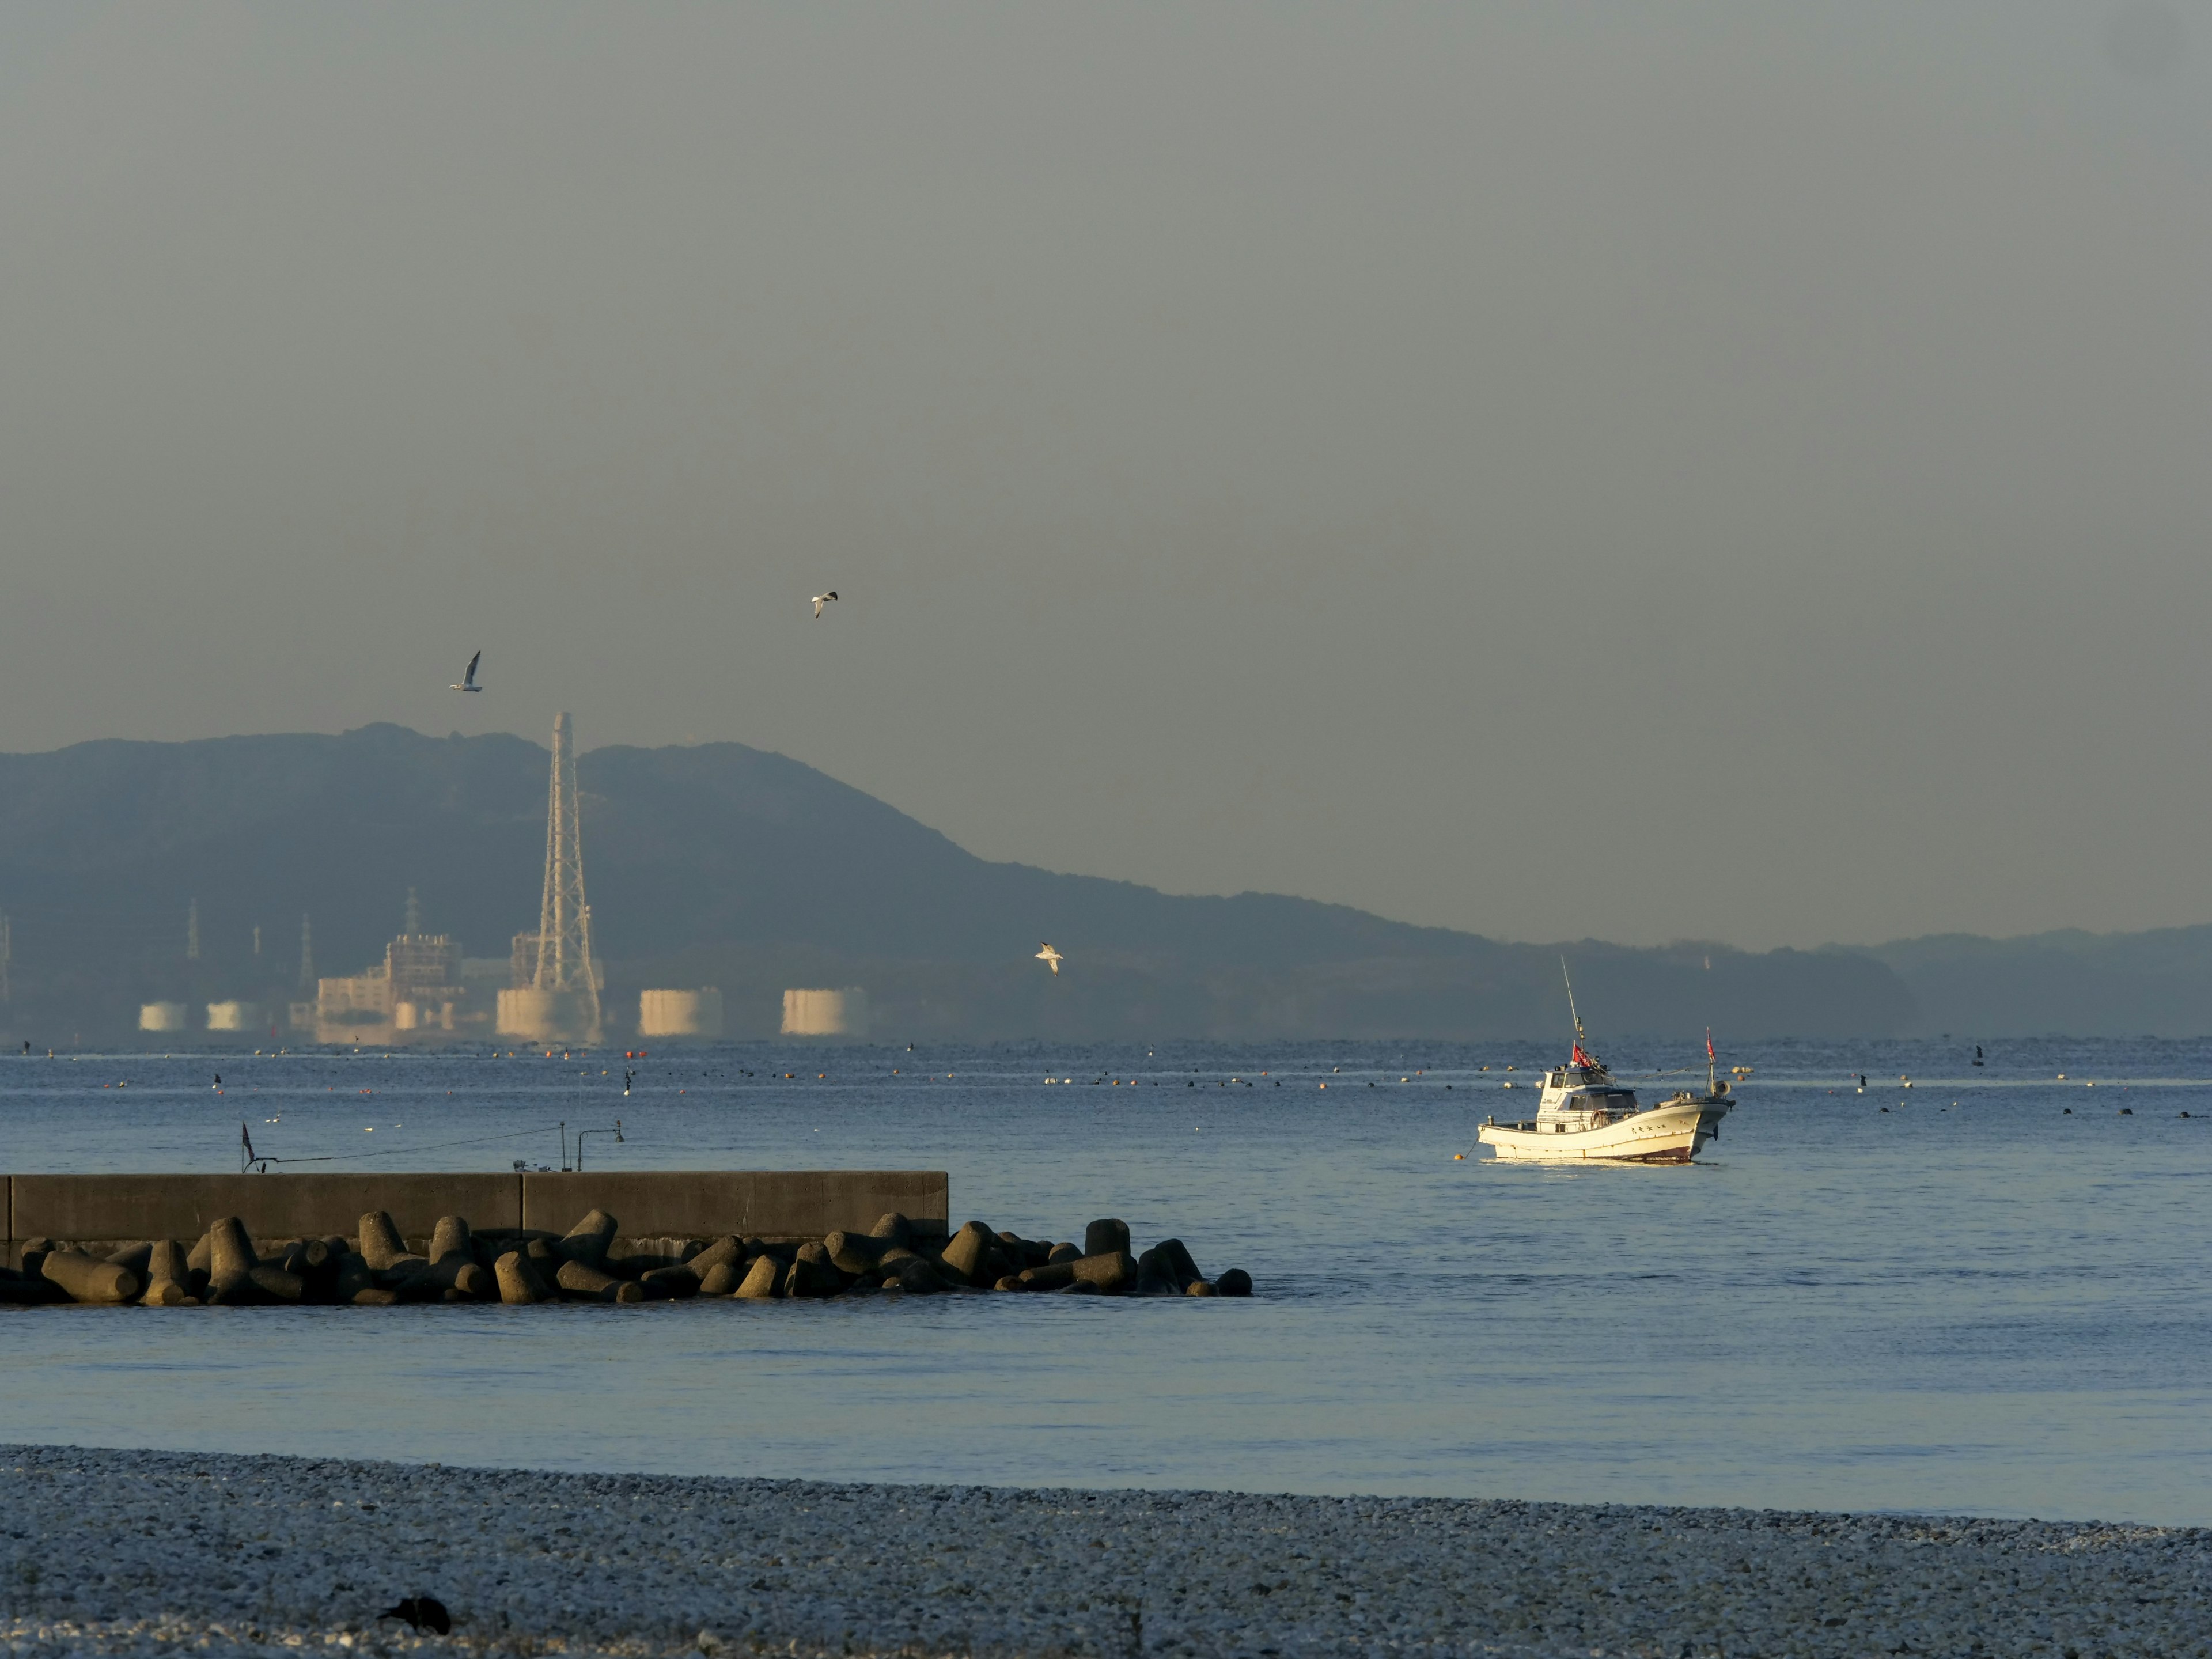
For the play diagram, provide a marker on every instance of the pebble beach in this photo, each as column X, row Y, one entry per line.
column 155, row 1552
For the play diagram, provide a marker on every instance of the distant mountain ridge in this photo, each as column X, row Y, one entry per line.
column 720, row 864
column 2066, row 982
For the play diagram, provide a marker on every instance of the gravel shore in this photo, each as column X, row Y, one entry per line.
column 145, row 1553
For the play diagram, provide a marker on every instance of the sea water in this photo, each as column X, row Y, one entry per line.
column 1992, row 1296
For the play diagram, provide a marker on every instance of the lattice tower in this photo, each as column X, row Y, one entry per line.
column 564, row 919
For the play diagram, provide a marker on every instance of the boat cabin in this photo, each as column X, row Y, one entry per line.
column 1582, row 1096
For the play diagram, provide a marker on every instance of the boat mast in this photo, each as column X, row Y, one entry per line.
column 1579, row 1038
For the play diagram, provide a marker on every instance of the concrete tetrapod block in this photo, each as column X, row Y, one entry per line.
column 919, row 1278
column 1175, row 1261
column 453, row 1268
column 134, row 1257
column 520, row 1282
column 589, row 1285
column 354, row 1276
column 202, row 1253
column 1154, row 1276
column 857, row 1253
column 972, row 1253
column 668, row 1283
column 893, row 1225
column 316, row 1266
column 450, row 1238
column 276, row 1283
column 1235, row 1282
column 722, row 1279
column 472, row 1282
column 1062, row 1253
column 88, row 1279
column 586, row 1242
column 1107, row 1238
column 1112, row 1274
column 230, row 1251
column 812, row 1273
column 167, row 1277
column 727, row 1250
column 1201, row 1287
column 762, row 1279
column 381, row 1245
column 231, row 1261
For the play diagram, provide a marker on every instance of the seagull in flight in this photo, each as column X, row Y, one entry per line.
column 468, row 680
column 821, row 599
column 1049, row 956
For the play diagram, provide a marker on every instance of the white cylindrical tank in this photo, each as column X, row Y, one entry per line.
column 527, row 1011
column 538, row 1016
column 680, row 1013
column 232, row 1017
column 160, row 1016
column 405, row 1017
column 825, row 1013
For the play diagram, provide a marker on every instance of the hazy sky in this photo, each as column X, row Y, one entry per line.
column 1731, row 470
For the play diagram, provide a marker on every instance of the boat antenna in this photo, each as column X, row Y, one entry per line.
column 1579, row 1038
column 1712, row 1076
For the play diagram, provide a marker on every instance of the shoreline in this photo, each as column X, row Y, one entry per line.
column 134, row 1551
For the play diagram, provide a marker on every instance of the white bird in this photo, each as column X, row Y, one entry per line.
column 1049, row 956
column 468, row 680
column 821, row 599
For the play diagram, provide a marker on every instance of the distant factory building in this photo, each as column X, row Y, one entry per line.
column 160, row 1016
column 232, row 1017
column 825, row 1013
column 418, row 989
column 680, row 1013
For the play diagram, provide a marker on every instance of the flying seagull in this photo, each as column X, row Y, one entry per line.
column 468, row 680
column 1049, row 956
column 821, row 599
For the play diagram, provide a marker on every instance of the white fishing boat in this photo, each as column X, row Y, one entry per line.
column 1583, row 1113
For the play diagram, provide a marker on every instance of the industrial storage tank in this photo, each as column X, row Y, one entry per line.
column 232, row 1017
column 160, row 1016
column 547, row 1016
column 680, row 1013
column 825, row 1013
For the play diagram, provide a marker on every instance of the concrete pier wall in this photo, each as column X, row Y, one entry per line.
column 645, row 1203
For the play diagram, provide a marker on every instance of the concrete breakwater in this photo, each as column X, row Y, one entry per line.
column 593, row 1261
column 775, row 1203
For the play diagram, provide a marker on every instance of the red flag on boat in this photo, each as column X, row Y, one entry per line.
column 1581, row 1059
column 1708, row 1042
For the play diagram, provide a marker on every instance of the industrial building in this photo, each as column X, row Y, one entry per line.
column 417, row 993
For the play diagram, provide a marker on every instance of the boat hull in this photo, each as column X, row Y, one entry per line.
column 1661, row 1134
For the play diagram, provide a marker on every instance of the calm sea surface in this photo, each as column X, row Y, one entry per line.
column 1973, row 1302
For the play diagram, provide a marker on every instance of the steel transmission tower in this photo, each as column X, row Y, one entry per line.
column 564, row 918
